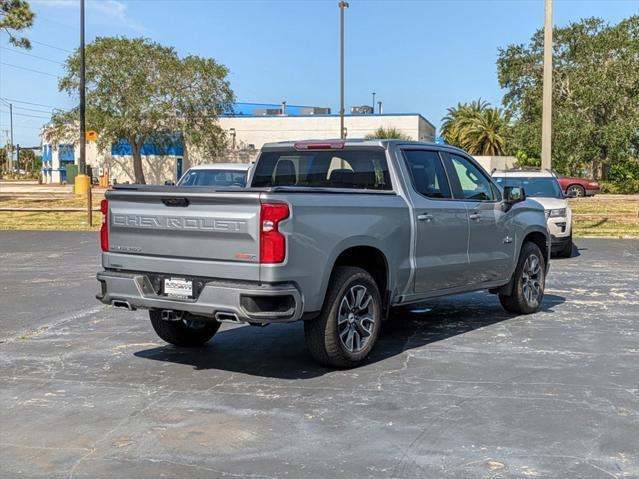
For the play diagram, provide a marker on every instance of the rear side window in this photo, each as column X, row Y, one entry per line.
column 365, row 169
column 427, row 172
column 198, row 177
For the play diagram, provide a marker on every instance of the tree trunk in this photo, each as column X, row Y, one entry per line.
column 186, row 159
column 137, row 161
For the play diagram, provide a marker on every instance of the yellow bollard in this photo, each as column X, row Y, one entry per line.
column 82, row 185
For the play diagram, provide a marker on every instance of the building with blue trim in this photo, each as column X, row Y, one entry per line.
column 248, row 127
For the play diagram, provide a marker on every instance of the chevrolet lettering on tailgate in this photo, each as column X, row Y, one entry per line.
column 179, row 223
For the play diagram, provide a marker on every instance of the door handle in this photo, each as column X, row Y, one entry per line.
column 474, row 216
column 425, row 217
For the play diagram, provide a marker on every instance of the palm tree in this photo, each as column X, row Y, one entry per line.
column 388, row 133
column 476, row 127
column 485, row 134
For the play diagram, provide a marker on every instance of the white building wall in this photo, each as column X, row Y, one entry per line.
column 256, row 130
column 490, row 163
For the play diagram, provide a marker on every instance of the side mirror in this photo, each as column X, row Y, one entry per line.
column 169, row 183
column 514, row 194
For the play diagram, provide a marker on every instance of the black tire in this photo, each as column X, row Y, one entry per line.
column 566, row 251
column 518, row 302
column 323, row 333
column 192, row 331
column 579, row 190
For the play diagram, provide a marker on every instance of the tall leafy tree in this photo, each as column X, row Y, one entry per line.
column 142, row 92
column 595, row 94
column 15, row 16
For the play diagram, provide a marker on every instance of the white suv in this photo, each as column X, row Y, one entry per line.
column 544, row 188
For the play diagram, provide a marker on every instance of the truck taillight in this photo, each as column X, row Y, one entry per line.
column 272, row 242
column 104, row 231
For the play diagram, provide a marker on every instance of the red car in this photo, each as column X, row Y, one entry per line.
column 578, row 186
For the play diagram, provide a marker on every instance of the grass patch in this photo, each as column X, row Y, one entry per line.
column 37, row 220
column 33, row 220
column 604, row 215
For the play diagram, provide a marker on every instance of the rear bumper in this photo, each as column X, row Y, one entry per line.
column 246, row 301
column 592, row 191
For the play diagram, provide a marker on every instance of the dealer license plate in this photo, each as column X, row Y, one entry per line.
column 178, row 288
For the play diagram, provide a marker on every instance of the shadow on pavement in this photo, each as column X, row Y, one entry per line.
column 278, row 350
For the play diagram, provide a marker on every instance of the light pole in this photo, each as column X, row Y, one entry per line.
column 11, row 126
column 342, row 6
column 373, row 103
column 546, row 119
column 83, row 152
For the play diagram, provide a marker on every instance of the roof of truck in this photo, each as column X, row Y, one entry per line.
column 358, row 142
column 222, row 166
column 529, row 173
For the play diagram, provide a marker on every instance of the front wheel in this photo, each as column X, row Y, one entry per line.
column 566, row 251
column 189, row 331
column 528, row 282
column 347, row 329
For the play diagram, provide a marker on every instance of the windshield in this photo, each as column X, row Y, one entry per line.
column 536, row 186
column 200, row 177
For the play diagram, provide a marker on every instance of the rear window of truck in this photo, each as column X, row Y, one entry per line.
column 365, row 169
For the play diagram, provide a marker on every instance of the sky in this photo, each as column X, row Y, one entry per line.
column 419, row 56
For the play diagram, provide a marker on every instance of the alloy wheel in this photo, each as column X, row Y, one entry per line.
column 355, row 320
column 577, row 190
column 532, row 280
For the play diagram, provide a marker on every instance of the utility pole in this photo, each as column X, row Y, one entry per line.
column 83, row 151
column 373, row 103
column 342, row 6
column 546, row 120
column 11, row 127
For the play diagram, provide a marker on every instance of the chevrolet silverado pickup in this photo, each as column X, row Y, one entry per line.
column 333, row 233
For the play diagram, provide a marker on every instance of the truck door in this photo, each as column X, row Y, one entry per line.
column 441, row 250
column 491, row 243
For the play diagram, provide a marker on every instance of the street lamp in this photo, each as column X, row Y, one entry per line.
column 546, row 115
column 373, row 103
column 83, row 158
column 342, row 6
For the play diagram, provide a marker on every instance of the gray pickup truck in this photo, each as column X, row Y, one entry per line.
column 334, row 233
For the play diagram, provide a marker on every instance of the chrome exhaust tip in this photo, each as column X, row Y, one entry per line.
column 122, row 304
column 224, row 317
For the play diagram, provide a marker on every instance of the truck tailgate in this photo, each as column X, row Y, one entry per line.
column 176, row 226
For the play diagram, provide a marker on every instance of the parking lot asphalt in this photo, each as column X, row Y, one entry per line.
column 455, row 388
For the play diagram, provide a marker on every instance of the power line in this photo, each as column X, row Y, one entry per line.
column 31, row 55
column 31, row 109
column 29, row 69
column 27, row 115
column 22, row 126
column 51, row 46
column 6, row 100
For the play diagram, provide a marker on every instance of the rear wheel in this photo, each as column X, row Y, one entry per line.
column 528, row 282
column 576, row 190
column 347, row 329
column 189, row 331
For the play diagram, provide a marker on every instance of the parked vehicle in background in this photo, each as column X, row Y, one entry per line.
column 544, row 188
column 216, row 174
column 335, row 233
column 577, row 187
